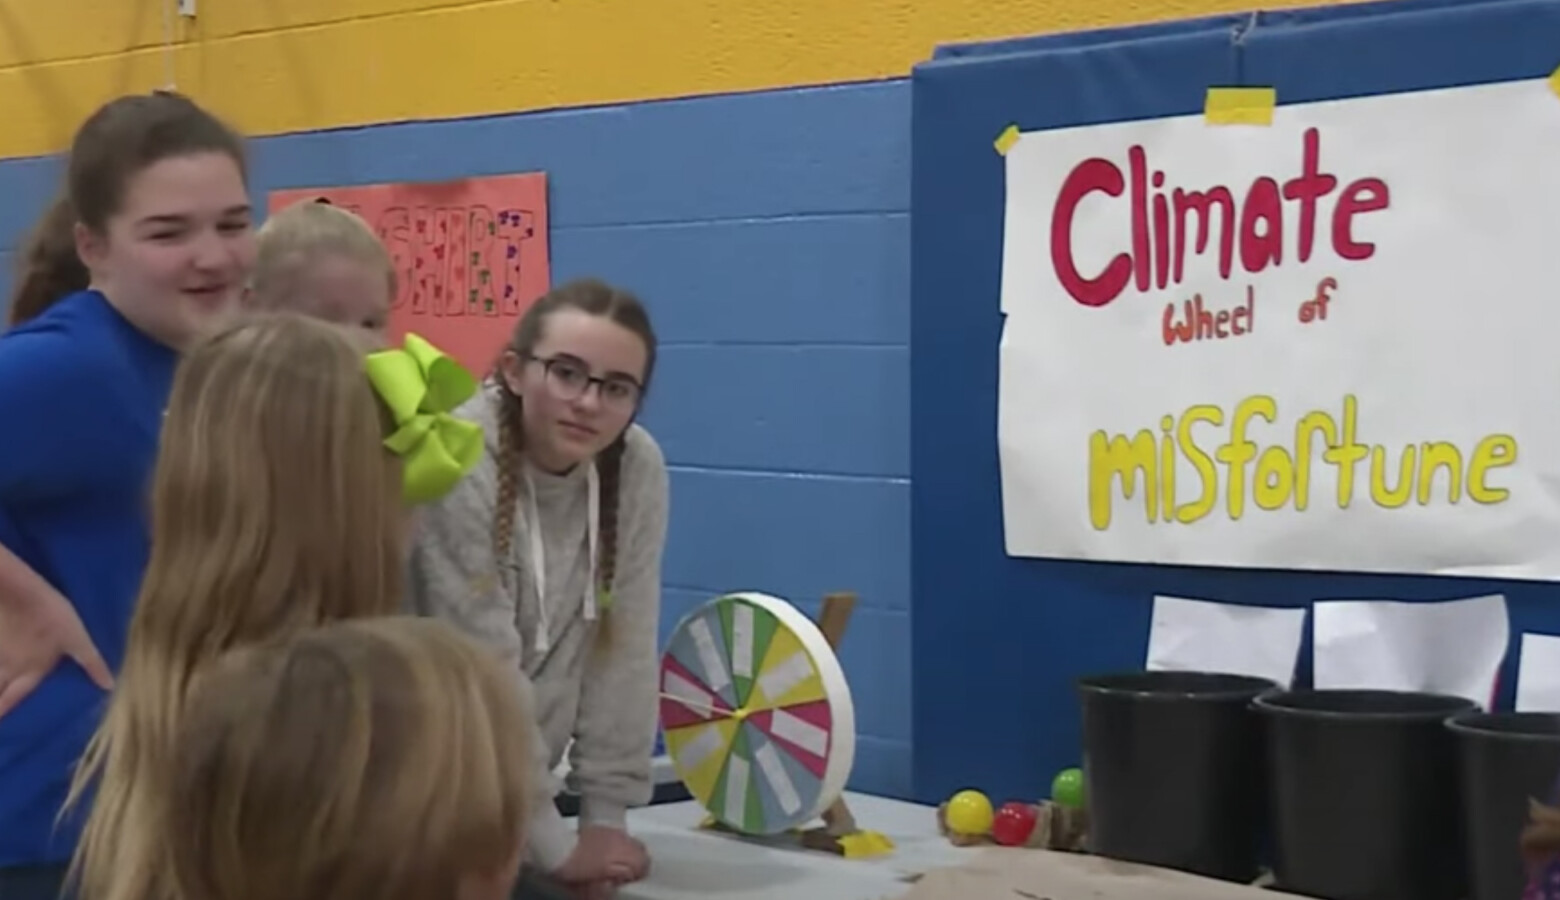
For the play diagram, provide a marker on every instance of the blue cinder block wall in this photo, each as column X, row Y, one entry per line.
column 769, row 232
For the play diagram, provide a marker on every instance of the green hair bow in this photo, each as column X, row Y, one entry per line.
column 421, row 386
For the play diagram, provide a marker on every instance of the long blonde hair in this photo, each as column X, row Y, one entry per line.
column 382, row 759
column 275, row 507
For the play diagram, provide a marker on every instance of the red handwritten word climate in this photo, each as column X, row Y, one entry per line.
column 1162, row 221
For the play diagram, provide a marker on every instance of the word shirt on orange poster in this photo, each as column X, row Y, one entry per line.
column 470, row 256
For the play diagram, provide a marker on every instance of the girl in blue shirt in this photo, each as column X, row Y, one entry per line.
column 159, row 246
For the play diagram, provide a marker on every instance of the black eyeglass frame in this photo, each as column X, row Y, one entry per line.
column 598, row 382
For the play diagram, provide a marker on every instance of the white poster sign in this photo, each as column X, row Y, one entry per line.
column 1328, row 343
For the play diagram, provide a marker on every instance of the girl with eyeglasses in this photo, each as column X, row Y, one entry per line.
column 550, row 552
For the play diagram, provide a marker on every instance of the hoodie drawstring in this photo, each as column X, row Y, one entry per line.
column 543, row 642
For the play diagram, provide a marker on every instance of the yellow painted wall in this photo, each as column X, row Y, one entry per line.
column 293, row 65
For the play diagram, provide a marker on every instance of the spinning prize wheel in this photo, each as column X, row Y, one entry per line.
column 757, row 714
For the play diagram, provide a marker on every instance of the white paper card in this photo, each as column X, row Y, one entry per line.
column 1538, row 674
column 1449, row 647
column 1203, row 636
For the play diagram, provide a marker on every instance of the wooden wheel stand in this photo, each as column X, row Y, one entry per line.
column 839, row 833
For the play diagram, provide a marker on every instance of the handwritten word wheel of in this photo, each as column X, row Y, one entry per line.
column 757, row 715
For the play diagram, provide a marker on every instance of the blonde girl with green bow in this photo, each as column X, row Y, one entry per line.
column 550, row 553
column 277, row 505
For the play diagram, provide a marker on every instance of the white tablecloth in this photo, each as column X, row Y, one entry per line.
column 690, row 863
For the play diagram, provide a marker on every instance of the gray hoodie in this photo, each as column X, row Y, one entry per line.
column 604, row 699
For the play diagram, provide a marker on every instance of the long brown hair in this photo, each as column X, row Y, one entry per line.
column 596, row 298
column 116, row 143
column 381, row 759
column 275, row 508
column 48, row 269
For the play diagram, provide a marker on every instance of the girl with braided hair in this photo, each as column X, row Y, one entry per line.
column 550, row 552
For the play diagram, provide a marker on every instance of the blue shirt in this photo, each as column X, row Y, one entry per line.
column 82, row 394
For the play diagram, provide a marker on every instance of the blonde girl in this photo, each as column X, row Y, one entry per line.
column 275, row 508
column 382, row 759
column 324, row 261
column 551, row 554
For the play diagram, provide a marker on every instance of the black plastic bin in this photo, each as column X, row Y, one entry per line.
column 1506, row 760
column 1173, row 773
column 1365, row 794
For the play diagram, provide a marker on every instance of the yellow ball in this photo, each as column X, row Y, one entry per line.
column 969, row 813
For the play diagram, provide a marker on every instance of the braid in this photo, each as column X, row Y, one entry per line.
column 609, row 466
column 511, row 433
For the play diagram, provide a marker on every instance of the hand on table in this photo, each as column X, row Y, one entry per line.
column 604, row 859
column 35, row 636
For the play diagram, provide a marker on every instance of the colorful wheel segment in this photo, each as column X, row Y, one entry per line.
column 757, row 715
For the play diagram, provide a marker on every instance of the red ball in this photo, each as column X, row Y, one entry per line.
column 1014, row 823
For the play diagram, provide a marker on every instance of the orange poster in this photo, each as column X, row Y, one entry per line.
column 469, row 255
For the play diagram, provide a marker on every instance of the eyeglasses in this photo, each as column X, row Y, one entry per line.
column 568, row 379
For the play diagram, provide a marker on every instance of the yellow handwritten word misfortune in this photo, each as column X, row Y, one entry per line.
column 1281, row 476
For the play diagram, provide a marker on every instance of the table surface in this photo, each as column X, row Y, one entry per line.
column 689, row 862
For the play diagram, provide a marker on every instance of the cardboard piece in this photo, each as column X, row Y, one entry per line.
column 1035, row 874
